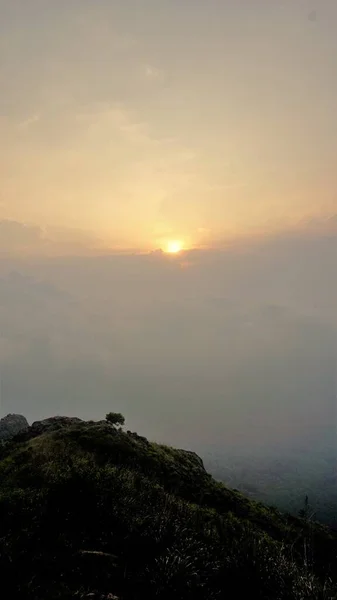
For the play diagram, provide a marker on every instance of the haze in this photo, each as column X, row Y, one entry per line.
column 234, row 346
column 129, row 127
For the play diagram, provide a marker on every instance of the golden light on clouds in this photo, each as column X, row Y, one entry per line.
column 174, row 246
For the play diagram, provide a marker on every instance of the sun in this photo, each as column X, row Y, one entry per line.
column 174, row 246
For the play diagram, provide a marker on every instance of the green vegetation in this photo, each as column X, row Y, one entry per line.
column 86, row 508
column 115, row 419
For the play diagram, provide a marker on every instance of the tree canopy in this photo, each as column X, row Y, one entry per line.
column 115, row 419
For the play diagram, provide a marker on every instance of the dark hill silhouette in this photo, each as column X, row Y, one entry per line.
column 87, row 509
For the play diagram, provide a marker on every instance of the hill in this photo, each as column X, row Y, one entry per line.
column 89, row 510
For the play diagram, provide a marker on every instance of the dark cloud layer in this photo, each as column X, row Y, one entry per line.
column 213, row 349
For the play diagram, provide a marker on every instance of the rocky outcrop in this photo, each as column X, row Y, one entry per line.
column 11, row 425
column 46, row 426
column 194, row 457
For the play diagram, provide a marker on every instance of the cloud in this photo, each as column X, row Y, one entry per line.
column 19, row 236
column 320, row 224
column 29, row 122
column 153, row 73
column 104, row 117
column 100, row 166
column 27, row 239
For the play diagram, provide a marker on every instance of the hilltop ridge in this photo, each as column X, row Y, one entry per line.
column 105, row 511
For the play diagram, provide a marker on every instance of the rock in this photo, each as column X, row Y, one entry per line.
column 11, row 425
column 46, row 426
column 194, row 457
column 54, row 423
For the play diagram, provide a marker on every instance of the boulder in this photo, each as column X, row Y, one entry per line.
column 46, row 426
column 11, row 425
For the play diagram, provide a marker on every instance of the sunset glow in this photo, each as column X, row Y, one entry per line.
column 174, row 246
column 148, row 148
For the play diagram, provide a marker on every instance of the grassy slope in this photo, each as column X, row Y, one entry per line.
column 146, row 521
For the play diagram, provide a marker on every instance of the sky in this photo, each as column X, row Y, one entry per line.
column 125, row 124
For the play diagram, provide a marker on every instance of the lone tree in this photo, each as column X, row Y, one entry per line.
column 115, row 419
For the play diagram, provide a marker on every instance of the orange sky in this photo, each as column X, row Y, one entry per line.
column 147, row 122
